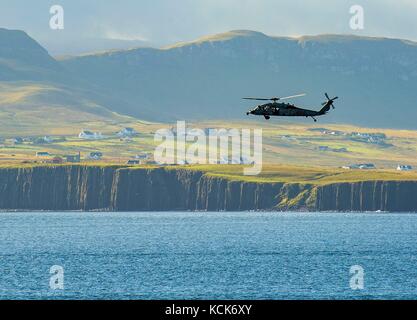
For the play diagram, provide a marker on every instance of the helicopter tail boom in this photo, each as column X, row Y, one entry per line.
column 325, row 109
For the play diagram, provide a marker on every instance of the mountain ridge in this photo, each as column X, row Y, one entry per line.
column 21, row 57
column 229, row 35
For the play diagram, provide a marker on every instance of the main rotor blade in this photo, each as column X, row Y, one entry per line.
column 259, row 99
column 276, row 98
column 327, row 96
column 295, row 96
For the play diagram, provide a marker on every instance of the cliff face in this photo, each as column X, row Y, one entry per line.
column 160, row 189
column 56, row 188
column 394, row 196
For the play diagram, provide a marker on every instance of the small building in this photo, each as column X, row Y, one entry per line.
column 404, row 168
column 57, row 160
column 246, row 160
column 127, row 132
column 73, row 158
column 367, row 166
column 42, row 154
column 89, row 135
column 142, row 156
column 126, row 139
column 332, row 132
column 17, row 140
column 182, row 162
column 362, row 166
column 43, row 140
column 95, row 155
column 133, row 162
column 223, row 160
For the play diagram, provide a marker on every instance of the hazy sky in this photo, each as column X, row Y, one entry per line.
column 168, row 21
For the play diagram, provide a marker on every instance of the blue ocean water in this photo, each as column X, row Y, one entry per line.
column 208, row 255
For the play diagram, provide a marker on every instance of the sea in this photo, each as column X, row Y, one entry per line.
column 207, row 255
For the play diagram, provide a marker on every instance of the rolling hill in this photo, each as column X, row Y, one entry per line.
column 38, row 95
column 33, row 108
column 22, row 58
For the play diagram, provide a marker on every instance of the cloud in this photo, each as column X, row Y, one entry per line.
column 115, row 35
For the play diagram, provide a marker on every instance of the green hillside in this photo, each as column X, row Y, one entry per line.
column 22, row 58
column 33, row 108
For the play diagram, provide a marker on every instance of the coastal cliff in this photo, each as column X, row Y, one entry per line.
column 116, row 188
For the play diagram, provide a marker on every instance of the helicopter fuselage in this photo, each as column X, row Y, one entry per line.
column 283, row 110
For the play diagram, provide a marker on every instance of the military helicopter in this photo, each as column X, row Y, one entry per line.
column 282, row 109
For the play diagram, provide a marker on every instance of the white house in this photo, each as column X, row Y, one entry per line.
column 143, row 156
column 127, row 132
column 42, row 154
column 88, row 135
column 404, row 167
column 363, row 166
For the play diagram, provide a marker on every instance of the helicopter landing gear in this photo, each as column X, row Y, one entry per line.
column 267, row 117
column 315, row 120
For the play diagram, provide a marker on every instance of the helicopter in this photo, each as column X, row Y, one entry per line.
column 282, row 109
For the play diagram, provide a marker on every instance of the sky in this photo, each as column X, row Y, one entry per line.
column 92, row 25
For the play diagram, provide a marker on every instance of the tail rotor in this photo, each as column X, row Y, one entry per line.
column 329, row 101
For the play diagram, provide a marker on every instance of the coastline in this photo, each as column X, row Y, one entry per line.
column 178, row 188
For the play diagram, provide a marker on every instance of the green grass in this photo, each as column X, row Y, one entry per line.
column 38, row 109
column 304, row 174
